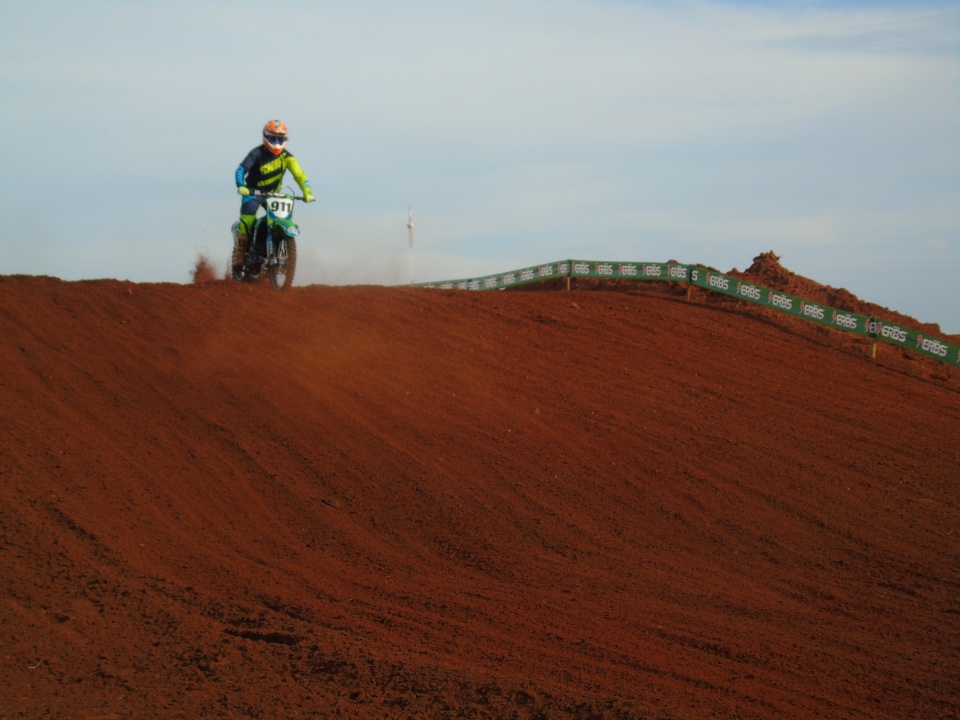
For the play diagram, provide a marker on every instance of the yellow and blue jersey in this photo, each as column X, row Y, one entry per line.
column 262, row 170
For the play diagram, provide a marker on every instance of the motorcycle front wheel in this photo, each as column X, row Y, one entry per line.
column 281, row 272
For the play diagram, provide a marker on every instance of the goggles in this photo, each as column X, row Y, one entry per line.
column 275, row 139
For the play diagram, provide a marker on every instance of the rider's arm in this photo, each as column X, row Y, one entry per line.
column 246, row 167
column 299, row 175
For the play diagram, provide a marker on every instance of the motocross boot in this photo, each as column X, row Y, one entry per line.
column 240, row 242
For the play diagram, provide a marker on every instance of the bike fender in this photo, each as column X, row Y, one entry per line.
column 289, row 227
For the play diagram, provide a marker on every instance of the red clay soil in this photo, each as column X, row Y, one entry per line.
column 218, row 501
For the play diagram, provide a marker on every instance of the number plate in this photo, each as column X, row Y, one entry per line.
column 280, row 207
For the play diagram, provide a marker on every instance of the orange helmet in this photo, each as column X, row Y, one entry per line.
column 275, row 136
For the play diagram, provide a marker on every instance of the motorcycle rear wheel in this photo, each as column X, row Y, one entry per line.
column 281, row 273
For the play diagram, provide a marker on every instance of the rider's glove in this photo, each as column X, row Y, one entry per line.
column 308, row 196
column 243, row 190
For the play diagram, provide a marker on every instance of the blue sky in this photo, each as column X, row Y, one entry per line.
column 519, row 132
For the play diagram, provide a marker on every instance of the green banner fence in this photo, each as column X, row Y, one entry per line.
column 695, row 275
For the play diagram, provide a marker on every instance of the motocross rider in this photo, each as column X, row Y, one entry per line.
column 262, row 169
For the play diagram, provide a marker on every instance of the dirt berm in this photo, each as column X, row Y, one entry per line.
column 218, row 501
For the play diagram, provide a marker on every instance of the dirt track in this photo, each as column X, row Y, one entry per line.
column 221, row 502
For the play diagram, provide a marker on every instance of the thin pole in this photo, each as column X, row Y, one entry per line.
column 413, row 275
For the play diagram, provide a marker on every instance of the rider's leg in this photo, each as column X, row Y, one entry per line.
column 248, row 213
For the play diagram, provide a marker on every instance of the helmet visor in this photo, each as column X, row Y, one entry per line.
column 275, row 139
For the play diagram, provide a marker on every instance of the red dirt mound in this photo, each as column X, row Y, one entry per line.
column 218, row 501
column 766, row 270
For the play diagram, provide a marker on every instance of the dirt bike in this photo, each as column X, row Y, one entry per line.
column 273, row 242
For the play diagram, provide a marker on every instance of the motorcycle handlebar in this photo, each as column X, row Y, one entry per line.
column 260, row 193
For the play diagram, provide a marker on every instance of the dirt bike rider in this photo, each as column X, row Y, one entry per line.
column 262, row 169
